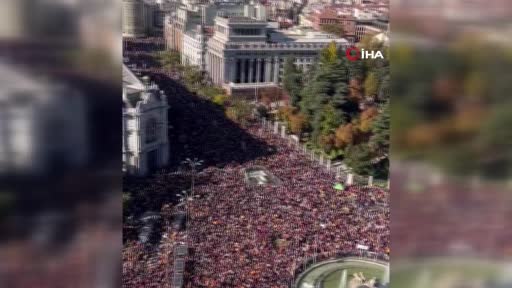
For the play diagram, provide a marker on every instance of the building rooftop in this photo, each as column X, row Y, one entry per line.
column 131, row 83
column 242, row 19
column 303, row 35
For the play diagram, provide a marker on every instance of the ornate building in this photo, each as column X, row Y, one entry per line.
column 145, row 140
column 194, row 48
column 244, row 53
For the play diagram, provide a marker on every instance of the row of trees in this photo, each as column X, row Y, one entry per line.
column 342, row 107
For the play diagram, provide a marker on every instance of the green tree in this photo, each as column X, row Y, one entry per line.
column 331, row 119
column 385, row 89
column 329, row 54
column 192, row 77
column 356, row 69
column 292, row 81
column 324, row 97
column 381, row 126
column 169, row 60
column 364, row 162
column 240, row 112
column 359, row 158
column 371, row 84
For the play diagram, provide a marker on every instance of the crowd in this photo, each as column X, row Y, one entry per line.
column 243, row 235
column 254, row 236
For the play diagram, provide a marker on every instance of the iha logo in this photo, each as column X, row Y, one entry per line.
column 362, row 54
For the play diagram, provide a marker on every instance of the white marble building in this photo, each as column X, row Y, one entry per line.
column 194, row 48
column 245, row 53
column 145, row 139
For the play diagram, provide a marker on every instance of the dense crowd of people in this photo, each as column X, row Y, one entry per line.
column 242, row 235
column 255, row 236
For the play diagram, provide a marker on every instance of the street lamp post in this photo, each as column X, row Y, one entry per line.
column 185, row 198
column 193, row 164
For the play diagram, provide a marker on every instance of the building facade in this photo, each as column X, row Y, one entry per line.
column 145, row 124
column 243, row 53
column 133, row 18
column 187, row 17
column 143, row 17
column 367, row 29
column 331, row 16
column 194, row 48
column 174, row 27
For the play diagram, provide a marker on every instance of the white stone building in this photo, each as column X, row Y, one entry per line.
column 245, row 53
column 145, row 138
column 194, row 48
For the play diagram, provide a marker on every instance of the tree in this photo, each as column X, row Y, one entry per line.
column 292, row 80
column 220, row 99
column 269, row 96
column 192, row 77
column 284, row 113
column 355, row 89
column 385, row 88
column 366, row 119
column 356, row 69
column 329, row 54
column 371, row 84
column 239, row 111
column 331, row 118
column 359, row 159
column 327, row 142
column 298, row 123
column 380, row 139
column 344, row 135
column 210, row 91
column 368, row 42
column 169, row 60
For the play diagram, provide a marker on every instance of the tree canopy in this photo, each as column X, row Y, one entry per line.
column 329, row 99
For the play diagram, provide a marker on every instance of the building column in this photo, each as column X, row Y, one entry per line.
column 251, row 71
column 258, row 70
column 263, row 67
column 223, row 71
column 212, row 67
column 209, row 64
column 242, row 67
column 268, row 69
column 276, row 70
column 218, row 68
column 232, row 69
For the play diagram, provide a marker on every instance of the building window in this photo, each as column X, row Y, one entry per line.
column 247, row 31
column 151, row 130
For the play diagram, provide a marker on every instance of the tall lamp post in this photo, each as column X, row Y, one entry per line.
column 193, row 164
column 184, row 197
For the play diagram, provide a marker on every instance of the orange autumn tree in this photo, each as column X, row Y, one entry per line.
column 297, row 123
column 366, row 119
column 345, row 135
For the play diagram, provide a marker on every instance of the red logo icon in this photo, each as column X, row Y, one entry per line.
column 351, row 57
